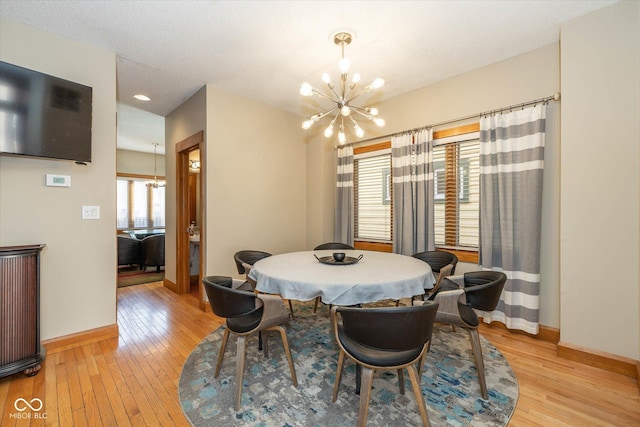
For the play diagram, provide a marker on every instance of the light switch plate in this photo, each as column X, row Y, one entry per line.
column 90, row 212
column 58, row 180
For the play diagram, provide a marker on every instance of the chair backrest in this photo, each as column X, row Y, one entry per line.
column 226, row 302
column 483, row 289
column 444, row 272
column 438, row 259
column 333, row 245
column 393, row 328
column 249, row 257
column 153, row 249
column 128, row 250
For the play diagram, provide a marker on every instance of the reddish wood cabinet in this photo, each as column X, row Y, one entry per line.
column 20, row 347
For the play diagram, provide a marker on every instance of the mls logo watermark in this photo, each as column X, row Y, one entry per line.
column 28, row 409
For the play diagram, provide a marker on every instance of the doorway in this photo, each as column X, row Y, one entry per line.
column 190, row 224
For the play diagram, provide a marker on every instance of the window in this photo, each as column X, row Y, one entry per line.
column 457, row 192
column 373, row 195
column 139, row 203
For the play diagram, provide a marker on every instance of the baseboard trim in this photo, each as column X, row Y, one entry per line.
column 78, row 339
column 170, row 285
column 600, row 359
column 607, row 361
column 545, row 333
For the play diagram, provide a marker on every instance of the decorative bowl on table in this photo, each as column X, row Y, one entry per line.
column 338, row 256
column 340, row 260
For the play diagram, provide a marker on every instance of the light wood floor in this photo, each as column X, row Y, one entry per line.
column 133, row 380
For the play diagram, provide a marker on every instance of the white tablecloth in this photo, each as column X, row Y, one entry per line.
column 377, row 276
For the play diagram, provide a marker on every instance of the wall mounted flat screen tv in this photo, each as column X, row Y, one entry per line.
column 44, row 116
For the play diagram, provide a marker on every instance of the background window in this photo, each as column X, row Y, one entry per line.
column 373, row 194
column 138, row 204
column 456, row 194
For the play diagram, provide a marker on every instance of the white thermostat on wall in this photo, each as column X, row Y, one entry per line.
column 58, row 180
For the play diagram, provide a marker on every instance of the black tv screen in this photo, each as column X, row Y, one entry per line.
column 44, row 116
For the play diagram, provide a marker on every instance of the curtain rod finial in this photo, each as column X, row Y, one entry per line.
column 556, row 96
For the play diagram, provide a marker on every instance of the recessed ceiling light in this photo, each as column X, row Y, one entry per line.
column 142, row 97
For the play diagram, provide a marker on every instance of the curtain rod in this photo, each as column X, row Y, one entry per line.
column 554, row 97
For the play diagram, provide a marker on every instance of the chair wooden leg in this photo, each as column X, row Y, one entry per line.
column 365, row 395
column 415, row 382
column 401, row 381
column 315, row 304
column 291, row 310
column 239, row 369
column 223, row 347
column 265, row 343
column 336, row 383
column 287, row 352
column 477, row 356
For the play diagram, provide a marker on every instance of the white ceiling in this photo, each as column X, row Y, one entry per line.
column 265, row 50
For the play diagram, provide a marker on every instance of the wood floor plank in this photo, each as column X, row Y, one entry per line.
column 132, row 380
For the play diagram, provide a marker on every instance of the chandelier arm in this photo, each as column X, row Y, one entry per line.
column 336, row 116
column 333, row 90
column 322, row 95
column 346, row 97
column 362, row 112
column 319, row 116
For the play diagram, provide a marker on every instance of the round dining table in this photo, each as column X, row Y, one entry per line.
column 374, row 277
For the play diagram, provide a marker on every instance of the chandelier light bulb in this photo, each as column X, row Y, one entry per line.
column 345, row 110
column 356, row 78
column 358, row 130
column 372, row 111
column 377, row 83
column 328, row 131
column 379, row 122
column 341, row 137
column 306, row 89
column 307, row 124
column 326, row 78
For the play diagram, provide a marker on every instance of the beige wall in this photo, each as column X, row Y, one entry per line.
column 137, row 162
column 600, row 209
column 527, row 77
column 255, row 177
column 256, row 190
column 186, row 120
column 78, row 266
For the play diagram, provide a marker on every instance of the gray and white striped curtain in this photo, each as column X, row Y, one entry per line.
column 343, row 231
column 412, row 163
column 511, row 167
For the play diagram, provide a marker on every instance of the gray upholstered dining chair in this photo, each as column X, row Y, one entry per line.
column 378, row 339
column 244, row 261
column 459, row 296
column 438, row 259
column 246, row 313
column 152, row 248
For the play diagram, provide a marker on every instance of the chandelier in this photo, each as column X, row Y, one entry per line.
column 343, row 98
column 155, row 183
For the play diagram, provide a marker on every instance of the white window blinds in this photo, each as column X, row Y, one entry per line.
column 373, row 197
column 456, row 194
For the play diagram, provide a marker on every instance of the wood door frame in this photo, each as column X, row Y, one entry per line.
column 183, row 148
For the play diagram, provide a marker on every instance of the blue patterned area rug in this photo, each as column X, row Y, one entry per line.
column 449, row 383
